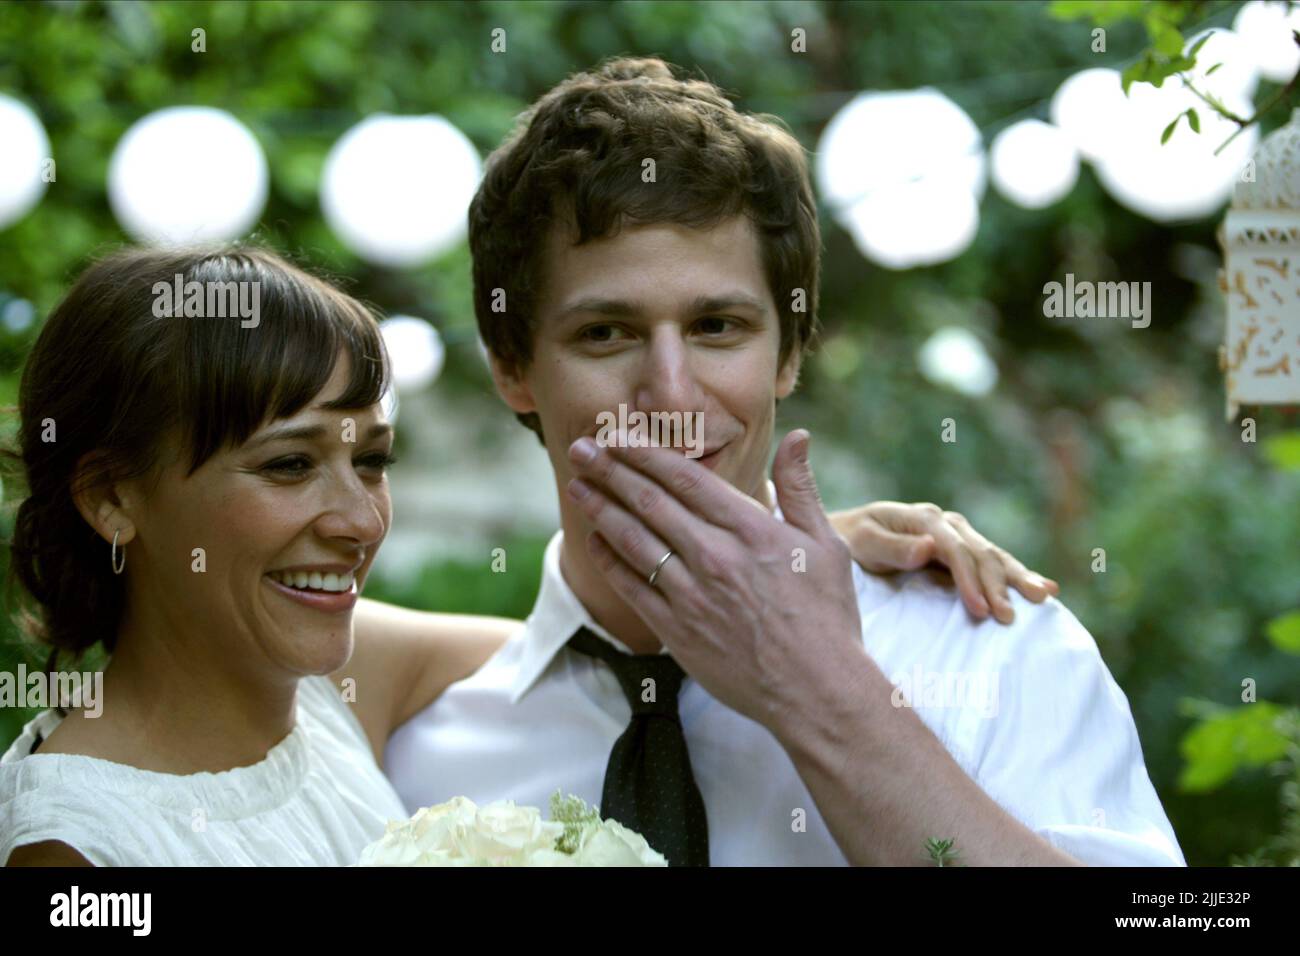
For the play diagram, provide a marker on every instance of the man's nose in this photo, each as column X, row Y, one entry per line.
column 668, row 379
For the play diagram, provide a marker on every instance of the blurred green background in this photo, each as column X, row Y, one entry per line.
column 1095, row 437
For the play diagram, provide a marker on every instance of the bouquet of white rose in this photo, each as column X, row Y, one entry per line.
column 459, row 833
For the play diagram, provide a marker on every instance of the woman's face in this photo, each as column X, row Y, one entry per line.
column 288, row 524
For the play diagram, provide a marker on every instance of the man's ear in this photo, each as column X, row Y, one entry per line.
column 104, row 504
column 788, row 375
column 511, row 386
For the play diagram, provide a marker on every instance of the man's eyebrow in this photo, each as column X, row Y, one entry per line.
column 630, row 307
column 312, row 432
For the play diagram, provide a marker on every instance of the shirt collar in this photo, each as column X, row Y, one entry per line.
column 557, row 615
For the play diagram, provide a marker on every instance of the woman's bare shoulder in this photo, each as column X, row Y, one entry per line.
column 412, row 657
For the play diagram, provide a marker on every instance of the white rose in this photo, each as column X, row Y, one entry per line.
column 433, row 837
column 505, row 835
column 612, row 844
column 389, row 852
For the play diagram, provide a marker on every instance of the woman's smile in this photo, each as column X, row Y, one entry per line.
column 330, row 588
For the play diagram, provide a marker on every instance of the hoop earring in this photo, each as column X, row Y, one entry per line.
column 118, row 568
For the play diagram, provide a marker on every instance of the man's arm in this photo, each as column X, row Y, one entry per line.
column 883, row 782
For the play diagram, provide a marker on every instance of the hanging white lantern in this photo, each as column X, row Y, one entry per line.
column 187, row 174
column 1261, row 279
column 22, row 160
column 396, row 189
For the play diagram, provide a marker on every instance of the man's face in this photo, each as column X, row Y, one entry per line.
column 661, row 318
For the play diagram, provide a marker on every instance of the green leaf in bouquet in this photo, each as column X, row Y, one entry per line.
column 941, row 852
column 576, row 816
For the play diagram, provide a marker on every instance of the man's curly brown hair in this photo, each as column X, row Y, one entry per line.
column 576, row 156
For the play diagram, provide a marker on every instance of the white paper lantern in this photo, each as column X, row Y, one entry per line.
column 1260, row 237
column 1265, row 29
column 26, row 148
column 955, row 358
column 1084, row 106
column 187, row 174
column 415, row 351
column 1034, row 164
column 396, row 189
column 903, row 172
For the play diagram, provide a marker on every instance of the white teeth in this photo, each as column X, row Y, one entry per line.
column 302, row 580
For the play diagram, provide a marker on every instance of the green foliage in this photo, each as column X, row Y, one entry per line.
column 1164, row 57
column 471, row 587
column 1096, row 435
column 1284, row 632
column 1284, row 450
column 941, row 853
column 576, row 816
column 1230, row 741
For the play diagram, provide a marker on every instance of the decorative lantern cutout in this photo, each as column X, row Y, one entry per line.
column 1260, row 238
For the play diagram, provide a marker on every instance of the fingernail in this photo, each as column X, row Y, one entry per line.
column 583, row 450
column 578, row 489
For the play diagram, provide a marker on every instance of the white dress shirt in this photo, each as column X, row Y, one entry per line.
column 1029, row 711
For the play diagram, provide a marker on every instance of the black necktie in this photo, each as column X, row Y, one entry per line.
column 649, row 786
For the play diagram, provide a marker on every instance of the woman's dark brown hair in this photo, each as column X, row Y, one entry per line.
column 576, row 155
column 108, row 379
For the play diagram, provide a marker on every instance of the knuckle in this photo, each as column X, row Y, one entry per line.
column 685, row 480
column 630, row 539
column 648, row 499
column 930, row 508
column 751, row 531
column 711, row 562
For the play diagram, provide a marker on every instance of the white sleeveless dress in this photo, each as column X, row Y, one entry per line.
column 316, row 799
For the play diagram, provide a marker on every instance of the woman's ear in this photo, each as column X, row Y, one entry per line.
column 510, row 384
column 104, row 504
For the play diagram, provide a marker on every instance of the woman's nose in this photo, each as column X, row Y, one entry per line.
column 353, row 513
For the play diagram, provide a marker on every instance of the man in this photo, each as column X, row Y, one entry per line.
column 639, row 243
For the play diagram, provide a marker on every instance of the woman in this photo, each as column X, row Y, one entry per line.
column 209, row 507
column 207, row 495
